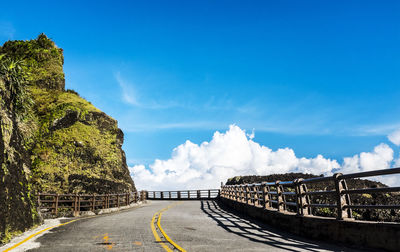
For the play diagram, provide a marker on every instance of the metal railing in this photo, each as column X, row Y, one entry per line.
column 183, row 195
column 76, row 203
column 293, row 196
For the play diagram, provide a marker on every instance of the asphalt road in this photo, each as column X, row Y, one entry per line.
column 193, row 225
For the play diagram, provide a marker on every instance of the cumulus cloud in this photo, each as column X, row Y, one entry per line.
column 234, row 153
column 228, row 154
column 394, row 137
column 380, row 158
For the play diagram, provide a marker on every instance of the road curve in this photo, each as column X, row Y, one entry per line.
column 192, row 225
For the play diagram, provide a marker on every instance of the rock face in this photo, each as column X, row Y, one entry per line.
column 16, row 209
column 51, row 140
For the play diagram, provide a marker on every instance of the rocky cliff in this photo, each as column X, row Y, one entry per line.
column 51, row 140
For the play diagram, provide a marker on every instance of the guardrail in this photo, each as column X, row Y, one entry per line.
column 76, row 203
column 183, row 195
column 293, row 196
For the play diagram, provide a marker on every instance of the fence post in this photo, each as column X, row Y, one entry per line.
column 75, row 205
column 279, row 197
column 38, row 201
column 93, row 201
column 256, row 201
column 198, row 194
column 179, row 194
column 79, row 204
column 248, row 196
column 56, row 205
column 143, row 195
column 188, row 194
column 162, row 195
column 302, row 199
column 209, row 194
column 342, row 199
column 265, row 195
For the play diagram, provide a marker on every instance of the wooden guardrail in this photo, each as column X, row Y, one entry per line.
column 76, row 203
column 293, row 196
column 183, row 195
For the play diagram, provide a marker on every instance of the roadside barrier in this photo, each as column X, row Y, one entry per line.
column 183, row 195
column 49, row 203
column 294, row 196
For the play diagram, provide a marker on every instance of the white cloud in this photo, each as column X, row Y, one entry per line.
column 128, row 93
column 234, row 153
column 228, row 154
column 397, row 162
column 380, row 158
column 394, row 137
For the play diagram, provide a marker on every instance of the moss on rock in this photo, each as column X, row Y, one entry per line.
column 43, row 60
column 57, row 143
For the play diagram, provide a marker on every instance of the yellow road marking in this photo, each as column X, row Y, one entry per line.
column 35, row 234
column 41, row 231
column 159, row 213
column 156, row 235
column 167, row 237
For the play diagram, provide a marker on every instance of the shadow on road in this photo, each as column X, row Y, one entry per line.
column 244, row 226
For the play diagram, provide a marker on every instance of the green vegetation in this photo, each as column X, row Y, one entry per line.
column 51, row 140
column 42, row 60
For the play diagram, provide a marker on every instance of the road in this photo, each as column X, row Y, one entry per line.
column 190, row 225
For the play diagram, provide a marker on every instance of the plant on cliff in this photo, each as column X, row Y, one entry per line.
column 14, row 80
column 42, row 59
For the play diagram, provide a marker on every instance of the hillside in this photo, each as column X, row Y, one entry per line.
column 51, row 139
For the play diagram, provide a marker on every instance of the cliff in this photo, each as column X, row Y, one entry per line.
column 51, row 140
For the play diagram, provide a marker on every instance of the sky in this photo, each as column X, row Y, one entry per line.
column 206, row 90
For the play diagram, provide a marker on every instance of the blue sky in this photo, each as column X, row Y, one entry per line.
column 320, row 77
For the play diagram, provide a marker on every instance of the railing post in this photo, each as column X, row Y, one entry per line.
column 79, row 204
column 248, row 196
column 162, row 195
column 265, row 195
column 93, row 201
column 38, row 201
column 255, row 189
column 302, row 199
column 242, row 194
column 198, row 194
column 56, row 205
column 279, row 197
column 209, row 194
column 143, row 195
column 118, row 200
column 75, row 204
column 188, row 194
column 179, row 194
column 169, row 194
column 342, row 199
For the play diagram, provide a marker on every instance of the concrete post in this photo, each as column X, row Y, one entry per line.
column 279, row 197
column 342, row 199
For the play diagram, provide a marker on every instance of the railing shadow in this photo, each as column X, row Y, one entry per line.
column 244, row 226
